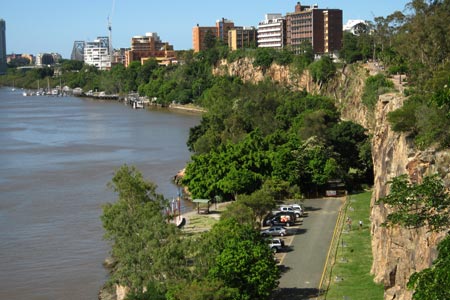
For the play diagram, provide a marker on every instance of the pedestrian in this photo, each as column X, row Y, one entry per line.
column 349, row 223
column 360, row 224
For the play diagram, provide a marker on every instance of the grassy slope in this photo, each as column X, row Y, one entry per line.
column 354, row 256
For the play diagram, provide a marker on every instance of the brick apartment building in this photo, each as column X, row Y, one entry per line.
column 220, row 32
column 320, row 27
column 149, row 46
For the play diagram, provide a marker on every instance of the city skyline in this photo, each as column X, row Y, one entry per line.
column 53, row 26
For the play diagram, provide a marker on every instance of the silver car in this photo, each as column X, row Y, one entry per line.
column 274, row 230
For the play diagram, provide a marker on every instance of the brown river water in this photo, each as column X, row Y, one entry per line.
column 57, row 155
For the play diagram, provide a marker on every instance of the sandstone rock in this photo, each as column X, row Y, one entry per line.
column 398, row 252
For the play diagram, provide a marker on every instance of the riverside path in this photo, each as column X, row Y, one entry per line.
column 303, row 263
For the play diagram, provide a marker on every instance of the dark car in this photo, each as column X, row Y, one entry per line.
column 281, row 219
column 268, row 220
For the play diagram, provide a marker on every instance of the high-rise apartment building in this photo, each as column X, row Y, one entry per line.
column 220, row 32
column 322, row 28
column 272, row 32
column 148, row 46
column 242, row 37
column 3, row 65
column 96, row 53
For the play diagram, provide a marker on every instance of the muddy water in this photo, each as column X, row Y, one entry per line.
column 56, row 156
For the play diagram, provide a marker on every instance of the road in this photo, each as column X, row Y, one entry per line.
column 303, row 262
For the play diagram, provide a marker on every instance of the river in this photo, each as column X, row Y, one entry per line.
column 57, row 155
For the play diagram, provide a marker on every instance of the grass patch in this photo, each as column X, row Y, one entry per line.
column 350, row 277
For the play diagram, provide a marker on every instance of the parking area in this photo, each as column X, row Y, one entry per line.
column 303, row 259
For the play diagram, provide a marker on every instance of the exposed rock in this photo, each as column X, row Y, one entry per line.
column 107, row 293
column 243, row 68
column 121, row 292
column 347, row 87
column 399, row 252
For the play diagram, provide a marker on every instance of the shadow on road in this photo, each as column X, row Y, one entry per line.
column 294, row 294
column 310, row 208
column 300, row 231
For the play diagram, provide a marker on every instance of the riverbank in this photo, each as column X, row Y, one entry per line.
column 199, row 222
column 187, row 107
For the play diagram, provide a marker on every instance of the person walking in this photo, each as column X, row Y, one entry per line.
column 349, row 223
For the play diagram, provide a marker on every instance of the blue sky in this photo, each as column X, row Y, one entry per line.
column 34, row 26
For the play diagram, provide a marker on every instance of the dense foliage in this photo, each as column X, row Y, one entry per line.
column 418, row 205
column 418, row 43
column 429, row 284
column 254, row 133
column 156, row 261
column 374, row 87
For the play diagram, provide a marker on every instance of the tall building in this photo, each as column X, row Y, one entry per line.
column 148, row 46
column 3, row 65
column 96, row 53
column 322, row 28
column 242, row 37
column 220, row 32
column 272, row 32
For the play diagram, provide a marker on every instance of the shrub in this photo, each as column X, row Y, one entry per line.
column 375, row 86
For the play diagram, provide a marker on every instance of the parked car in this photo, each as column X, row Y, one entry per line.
column 290, row 208
column 274, row 230
column 275, row 244
column 283, row 219
column 298, row 207
column 277, row 213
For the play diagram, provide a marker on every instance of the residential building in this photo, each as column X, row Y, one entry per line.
column 3, row 65
column 96, row 53
column 47, row 59
column 242, row 37
column 13, row 56
column 119, row 56
column 322, row 28
column 220, row 32
column 148, row 46
column 356, row 26
column 272, row 32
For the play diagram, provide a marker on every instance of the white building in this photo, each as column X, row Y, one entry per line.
column 355, row 26
column 96, row 53
column 272, row 32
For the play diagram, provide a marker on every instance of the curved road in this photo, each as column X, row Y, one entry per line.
column 303, row 262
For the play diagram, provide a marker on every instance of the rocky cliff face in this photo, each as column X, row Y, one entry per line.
column 243, row 68
column 346, row 88
column 399, row 252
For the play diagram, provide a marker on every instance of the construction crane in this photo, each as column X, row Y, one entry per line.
column 110, row 47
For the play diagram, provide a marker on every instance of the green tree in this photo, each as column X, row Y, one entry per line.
column 323, row 69
column 242, row 260
column 143, row 244
column 374, row 87
column 349, row 51
column 260, row 202
column 264, row 57
column 429, row 284
column 418, row 205
column 210, row 40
